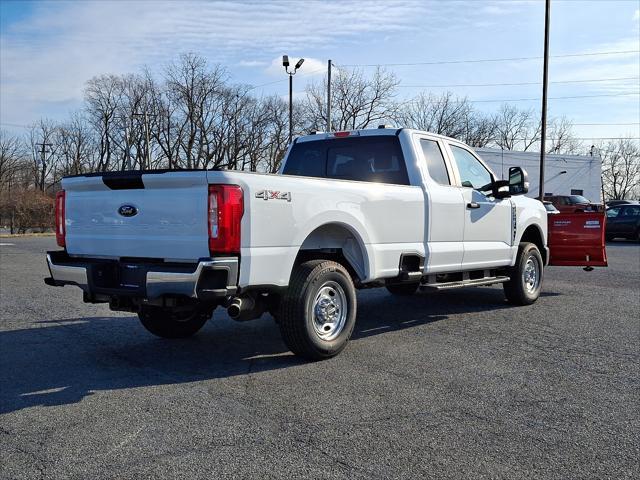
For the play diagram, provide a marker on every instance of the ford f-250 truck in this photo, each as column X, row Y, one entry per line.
column 394, row 208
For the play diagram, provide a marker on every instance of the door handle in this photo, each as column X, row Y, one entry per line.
column 473, row 205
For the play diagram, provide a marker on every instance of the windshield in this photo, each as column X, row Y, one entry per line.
column 578, row 199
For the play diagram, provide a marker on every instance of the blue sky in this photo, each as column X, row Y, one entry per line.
column 48, row 49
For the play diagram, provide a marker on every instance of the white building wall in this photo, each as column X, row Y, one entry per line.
column 582, row 171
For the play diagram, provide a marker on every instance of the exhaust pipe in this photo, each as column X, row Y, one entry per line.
column 245, row 308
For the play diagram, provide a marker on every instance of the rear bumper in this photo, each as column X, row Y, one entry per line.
column 208, row 279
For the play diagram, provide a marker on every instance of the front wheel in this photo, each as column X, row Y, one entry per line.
column 318, row 313
column 173, row 322
column 526, row 276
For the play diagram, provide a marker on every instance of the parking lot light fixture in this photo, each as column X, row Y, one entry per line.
column 291, row 73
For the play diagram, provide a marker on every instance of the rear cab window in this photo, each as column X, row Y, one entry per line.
column 362, row 158
column 436, row 165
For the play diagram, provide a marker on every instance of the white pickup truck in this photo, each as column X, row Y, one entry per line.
column 394, row 208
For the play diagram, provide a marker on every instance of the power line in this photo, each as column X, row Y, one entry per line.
column 517, row 83
column 617, row 124
column 506, row 100
column 302, row 74
column 560, row 98
column 14, row 125
column 575, row 138
column 487, row 60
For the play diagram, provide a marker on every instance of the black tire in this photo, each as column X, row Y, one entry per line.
column 173, row 323
column 403, row 289
column 518, row 290
column 302, row 329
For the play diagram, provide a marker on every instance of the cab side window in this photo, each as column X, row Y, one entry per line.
column 435, row 161
column 472, row 173
column 613, row 212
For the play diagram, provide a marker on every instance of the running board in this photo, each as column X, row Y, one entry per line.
column 464, row 283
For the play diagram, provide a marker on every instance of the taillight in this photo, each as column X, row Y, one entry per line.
column 60, row 226
column 226, row 207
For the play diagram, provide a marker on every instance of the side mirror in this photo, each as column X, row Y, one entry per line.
column 501, row 189
column 518, row 181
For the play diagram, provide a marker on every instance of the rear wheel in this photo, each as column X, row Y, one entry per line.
column 173, row 322
column 318, row 313
column 526, row 276
column 403, row 289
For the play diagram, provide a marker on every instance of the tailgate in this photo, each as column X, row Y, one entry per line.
column 577, row 239
column 133, row 214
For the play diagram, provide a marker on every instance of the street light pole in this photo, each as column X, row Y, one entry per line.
column 329, row 64
column 290, row 107
column 545, row 78
column 285, row 64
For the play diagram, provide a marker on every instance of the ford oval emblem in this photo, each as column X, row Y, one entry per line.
column 128, row 211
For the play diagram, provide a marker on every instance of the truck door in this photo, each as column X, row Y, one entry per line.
column 444, row 213
column 487, row 220
column 577, row 239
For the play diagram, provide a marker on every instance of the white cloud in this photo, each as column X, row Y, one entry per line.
column 49, row 56
column 252, row 63
column 636, row 14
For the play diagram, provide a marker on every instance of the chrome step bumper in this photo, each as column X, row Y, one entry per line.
column 207, row 279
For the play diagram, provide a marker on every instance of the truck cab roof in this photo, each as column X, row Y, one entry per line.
column 369, row 132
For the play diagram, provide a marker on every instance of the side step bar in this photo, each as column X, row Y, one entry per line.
column 464, row 283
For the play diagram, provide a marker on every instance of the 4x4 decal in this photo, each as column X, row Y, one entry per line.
column 273, row 195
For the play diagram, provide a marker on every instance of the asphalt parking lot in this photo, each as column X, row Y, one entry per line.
column 449, row 385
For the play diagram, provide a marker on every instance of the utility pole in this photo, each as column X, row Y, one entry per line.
column 329, row 96
column 145, row 114
column 43, row 152
column 545, row 79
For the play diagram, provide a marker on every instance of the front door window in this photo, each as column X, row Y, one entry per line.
column 473, row 174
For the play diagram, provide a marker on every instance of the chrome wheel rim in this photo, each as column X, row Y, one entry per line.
column 329, row 311
column 531, row 274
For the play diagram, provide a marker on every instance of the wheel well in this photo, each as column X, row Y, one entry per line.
column 532, row 235
column 339, row 243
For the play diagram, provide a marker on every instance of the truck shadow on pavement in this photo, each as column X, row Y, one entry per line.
column 60, row 362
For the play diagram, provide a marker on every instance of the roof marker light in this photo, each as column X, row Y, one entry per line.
column 341, row 134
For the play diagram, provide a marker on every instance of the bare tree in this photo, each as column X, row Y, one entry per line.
column 443, row 114
column 620, row 169
column 76, row 153
column 195, row 90
column 479, row 130
column 356, row 101
column 560, row 137
column 44, row 132
column 12, row 158
column 516, row 129
column 102, row 96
